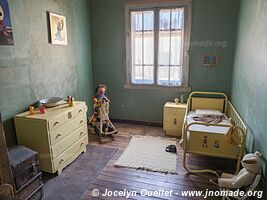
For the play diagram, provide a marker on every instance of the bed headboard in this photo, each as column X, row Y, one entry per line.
column 207, row 101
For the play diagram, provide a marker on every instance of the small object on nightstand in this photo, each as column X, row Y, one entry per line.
column 42, row 109
column 31, row 110
column 176, row 101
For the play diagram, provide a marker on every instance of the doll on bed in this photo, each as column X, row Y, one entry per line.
column 101, row 103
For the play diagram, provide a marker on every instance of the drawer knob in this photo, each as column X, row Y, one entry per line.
column 62, row 160
column 81, row 133
column 82, row 144
column 174, row 121
column 56, row 123
column 80, row 110
column 59, row 135
column 81, row 121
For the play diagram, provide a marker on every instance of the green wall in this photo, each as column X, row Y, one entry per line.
column 213, row 21
column 33, row 68
column 250, row 73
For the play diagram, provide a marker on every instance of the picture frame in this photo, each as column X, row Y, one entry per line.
column 58, row 29
column 6, row 31
column 210, row 60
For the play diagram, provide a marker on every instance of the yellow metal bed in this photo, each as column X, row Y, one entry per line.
column 210, row 139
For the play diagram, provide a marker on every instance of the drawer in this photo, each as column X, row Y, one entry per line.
column 173, row 123
column 68, row 141
column 70, row 152
column 58, row 135
column 174, row 119
column 174, row 111
column 80, row 110
column 56, row 123
column 65, row 118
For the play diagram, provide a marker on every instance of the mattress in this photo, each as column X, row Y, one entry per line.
column 207, row 129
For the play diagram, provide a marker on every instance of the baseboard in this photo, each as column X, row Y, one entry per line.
column 136, row 122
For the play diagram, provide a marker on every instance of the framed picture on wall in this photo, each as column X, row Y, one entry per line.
column 6, row 33
column 210, row 60
column 58, row 29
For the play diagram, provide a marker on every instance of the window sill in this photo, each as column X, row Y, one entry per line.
column 156, row 87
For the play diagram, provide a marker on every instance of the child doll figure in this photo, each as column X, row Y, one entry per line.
column 101, row 107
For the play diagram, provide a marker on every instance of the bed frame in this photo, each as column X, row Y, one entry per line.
column 191, row 144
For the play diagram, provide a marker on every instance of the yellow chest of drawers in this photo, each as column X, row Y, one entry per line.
column 173, row 118
column 59, row 136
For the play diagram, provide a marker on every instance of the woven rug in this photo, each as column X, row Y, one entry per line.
column 148, row 153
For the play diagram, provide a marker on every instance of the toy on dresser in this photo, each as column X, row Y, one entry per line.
column 100, row 123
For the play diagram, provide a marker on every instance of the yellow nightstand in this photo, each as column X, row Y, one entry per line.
column 173, row 118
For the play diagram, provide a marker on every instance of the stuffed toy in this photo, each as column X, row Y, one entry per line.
column 101, row 102
column 99, row 99
column 245, row 177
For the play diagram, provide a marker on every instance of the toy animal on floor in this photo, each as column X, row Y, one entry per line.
column 245, row 177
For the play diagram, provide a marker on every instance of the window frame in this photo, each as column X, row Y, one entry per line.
column 152, row 5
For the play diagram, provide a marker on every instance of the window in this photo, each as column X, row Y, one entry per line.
column 156, row 40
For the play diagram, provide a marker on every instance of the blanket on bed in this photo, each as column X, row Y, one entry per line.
column 209, row 118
